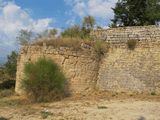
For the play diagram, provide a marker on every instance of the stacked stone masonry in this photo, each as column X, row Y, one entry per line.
column 80, row 68
column 120, row 69
column 123, row 34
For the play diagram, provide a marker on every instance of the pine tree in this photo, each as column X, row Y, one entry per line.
column 136, row 12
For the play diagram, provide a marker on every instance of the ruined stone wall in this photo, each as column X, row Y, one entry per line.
column 79, row 67
column 124, row 70
column 123, row 34
column 120, row 69
column 135, row 70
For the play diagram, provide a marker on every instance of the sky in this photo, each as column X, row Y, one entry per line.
column 39, row 15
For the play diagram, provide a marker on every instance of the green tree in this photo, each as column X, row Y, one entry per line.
column 153, row 11
column 80, row 31
column 24, row 37
column 1, row 73
column 10, row 67
column 88, row 22
column 51, row 33
column 73, row 31
column 136, row 12
column 87, row 26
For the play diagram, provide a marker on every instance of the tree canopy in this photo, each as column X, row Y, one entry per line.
column 82, row 31
column 24, row 37
column 10, row 67
column 136, row 12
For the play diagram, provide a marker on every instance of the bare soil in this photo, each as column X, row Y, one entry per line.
column 91, row 107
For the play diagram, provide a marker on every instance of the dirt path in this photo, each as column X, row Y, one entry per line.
column 101, row 109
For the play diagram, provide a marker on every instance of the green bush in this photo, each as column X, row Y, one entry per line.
column 7, row 84
column 131, row 44
column 43, row 81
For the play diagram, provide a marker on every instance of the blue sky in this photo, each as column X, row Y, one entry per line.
column 38, row 15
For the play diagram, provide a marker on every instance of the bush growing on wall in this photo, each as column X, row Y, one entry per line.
column 43, row 81
column 100, row 47
column 131, row 44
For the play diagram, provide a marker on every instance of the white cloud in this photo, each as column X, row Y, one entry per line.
column 12, row 19
column 100, row 9
column 71, row 21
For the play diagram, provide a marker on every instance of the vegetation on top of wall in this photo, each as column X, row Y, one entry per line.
column 74, row 43
column 43, row 81
column 100, row 47
column 131, row 44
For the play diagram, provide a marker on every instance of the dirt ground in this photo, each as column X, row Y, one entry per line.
column 104, row 107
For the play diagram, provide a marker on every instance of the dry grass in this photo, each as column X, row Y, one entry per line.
column 6, row 93
column 74, row 43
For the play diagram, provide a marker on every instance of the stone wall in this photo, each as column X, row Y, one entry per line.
column 124, row 70
column 123, row 34
column 120, row 69
column 80, row 67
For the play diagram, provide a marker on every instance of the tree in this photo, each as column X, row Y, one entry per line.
column 51, row 33
column 80, row 31
column 73, row 31
column 153, row 10
column 10, row 67
column 88, row 22
column 136, row 12
column 87, row 25
column 24, row 37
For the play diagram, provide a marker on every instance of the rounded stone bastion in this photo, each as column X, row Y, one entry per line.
column 80, row 67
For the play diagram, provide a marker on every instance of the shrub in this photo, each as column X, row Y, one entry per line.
column 100, row 47
column 6, row 93
column 43, row 81
column 153, row 93
column 131, row 44
column 7, row 84
column 2, row 118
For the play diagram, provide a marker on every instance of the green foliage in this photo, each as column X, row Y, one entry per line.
column 10, row 67
column 2, row 74
column 100, row 47
column 51, row 33
column 7, row 84
column 153, row 93
column 2, row 118
column 153, row 10
column 80, row 31
column 131, row 44
column 88, row 22
column 45, row 114
column 73, row 32
column 24, row 37
column 43, row 80
column 136, row 12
